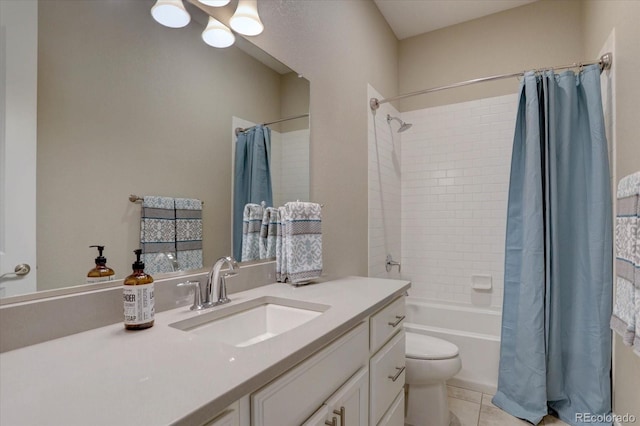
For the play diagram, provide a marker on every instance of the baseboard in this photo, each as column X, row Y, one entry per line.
column 474, row 386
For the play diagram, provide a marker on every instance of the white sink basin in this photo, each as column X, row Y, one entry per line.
column 251, row 322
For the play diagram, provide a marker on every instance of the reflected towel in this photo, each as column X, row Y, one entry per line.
column 281, row 260
column 157, row 233
column 303, row 241
column 251, row 223
column 626, row 305
column 268, row 233
column 189, row 233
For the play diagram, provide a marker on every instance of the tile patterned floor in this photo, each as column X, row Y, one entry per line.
column 475, row 409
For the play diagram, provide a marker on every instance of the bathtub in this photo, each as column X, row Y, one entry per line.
column 475, row 330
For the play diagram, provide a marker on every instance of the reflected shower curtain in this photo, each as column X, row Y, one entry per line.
column 555, row 353
column 252, row 177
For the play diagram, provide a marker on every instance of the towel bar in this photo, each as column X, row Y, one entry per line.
column 134, row 198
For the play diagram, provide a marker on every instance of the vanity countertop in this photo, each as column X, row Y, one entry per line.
column 162, row 375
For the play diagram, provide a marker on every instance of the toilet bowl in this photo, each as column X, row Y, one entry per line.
column 430, row 363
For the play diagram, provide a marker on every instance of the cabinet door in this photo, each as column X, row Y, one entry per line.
column 395, row 415
column 350, row 403
column 319, row 417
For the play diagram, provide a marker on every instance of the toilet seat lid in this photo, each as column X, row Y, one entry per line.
column 420, row 346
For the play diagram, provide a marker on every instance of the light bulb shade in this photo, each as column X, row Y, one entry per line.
column 217, row 34
column 215, row 3
column 170, row 13
column 246, row 20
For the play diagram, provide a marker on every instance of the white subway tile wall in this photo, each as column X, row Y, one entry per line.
column 455, row 178
column 292, row 157
column 384, row 190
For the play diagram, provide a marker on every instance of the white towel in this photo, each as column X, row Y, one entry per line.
column 626, row 307
column 251, row 223
column 303, row 241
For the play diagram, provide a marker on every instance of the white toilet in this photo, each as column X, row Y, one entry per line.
column 430, row 363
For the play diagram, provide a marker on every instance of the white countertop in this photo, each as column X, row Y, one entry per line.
column 162, row 375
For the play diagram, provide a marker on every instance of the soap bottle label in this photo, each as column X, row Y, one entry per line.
column 93, row 280
column 138, row 304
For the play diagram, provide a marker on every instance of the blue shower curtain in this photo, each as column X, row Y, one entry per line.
column 252, row 177
column 555, row 353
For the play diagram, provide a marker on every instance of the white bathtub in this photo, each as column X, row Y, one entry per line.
column 475, row 330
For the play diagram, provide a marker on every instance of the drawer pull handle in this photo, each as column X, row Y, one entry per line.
column 400, row 370
column 341, row 413
column 398, row 321
column 333, row 422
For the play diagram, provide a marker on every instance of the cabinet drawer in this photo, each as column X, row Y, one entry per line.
column 387, row 376
column 293, row 397
column 395, row 415
column 386, row 323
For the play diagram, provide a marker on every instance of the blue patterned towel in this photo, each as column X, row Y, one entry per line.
column 268, row 233
column 189, row 233
column 281, row 260
column 251, row 223
column 303, row 241
column 157, row 233
column 626, row 305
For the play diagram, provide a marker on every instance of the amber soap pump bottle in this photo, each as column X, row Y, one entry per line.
column 138, row 297
column 101, row 272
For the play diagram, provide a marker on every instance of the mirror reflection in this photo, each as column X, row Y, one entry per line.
column 127, row 106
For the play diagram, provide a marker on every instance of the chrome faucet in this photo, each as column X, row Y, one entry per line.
column 217, row 284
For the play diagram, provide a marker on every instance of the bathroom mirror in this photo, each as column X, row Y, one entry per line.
column 128, row 106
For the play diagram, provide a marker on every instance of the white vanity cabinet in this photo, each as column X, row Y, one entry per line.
column 387, row 365
column 294, row 396
column 229, row 417
column 347, row 406
column 357, row 380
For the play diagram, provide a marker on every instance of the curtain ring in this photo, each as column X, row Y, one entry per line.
column 581, row 67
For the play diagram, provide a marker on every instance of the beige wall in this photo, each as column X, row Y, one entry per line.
column 127, row 106
column 543, row 33
column 599, row 19
column 294, row 100
column 340, row 46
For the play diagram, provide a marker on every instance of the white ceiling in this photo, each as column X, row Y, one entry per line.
column 409, row 18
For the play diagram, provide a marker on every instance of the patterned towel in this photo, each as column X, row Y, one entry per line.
column 281, row 260
column 157, row 233
column 268, row 233
column 251, row 223
column 303, row 241
column 626, row 307
column 189, row 233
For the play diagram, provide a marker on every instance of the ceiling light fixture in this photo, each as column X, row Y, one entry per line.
column 215, row 3
column 170, row 13
column 217, row 34
column 246, row 20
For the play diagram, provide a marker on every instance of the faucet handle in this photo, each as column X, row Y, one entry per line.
column 197, row 294
column 222, row 296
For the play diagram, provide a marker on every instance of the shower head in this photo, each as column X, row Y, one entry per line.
column 403, row 126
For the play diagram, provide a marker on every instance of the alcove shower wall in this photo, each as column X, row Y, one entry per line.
column 454, row 167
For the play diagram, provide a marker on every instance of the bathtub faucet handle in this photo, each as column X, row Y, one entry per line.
column 391, row 263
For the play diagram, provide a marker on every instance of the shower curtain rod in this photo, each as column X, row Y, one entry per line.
column 605, row 62
column 240, row 129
